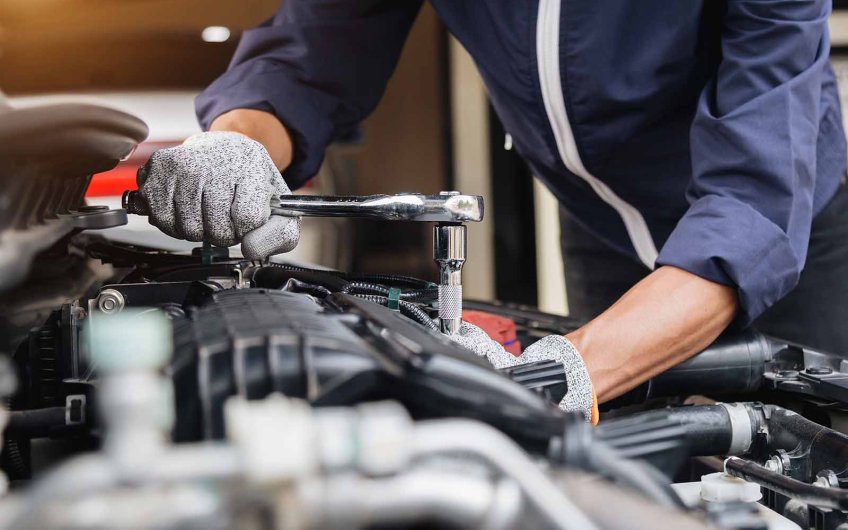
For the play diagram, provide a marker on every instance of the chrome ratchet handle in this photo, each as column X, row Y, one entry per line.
column 446, row 208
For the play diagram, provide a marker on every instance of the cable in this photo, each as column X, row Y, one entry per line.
column 406, row 308
column 382, row 290
column 822, row 497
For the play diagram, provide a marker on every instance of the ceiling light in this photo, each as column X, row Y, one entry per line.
column 215, row 34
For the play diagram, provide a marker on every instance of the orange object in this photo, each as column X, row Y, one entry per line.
column 596, row 414
column 500, row 329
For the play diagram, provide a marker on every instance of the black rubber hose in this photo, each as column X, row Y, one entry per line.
column 276, row 277
column 38, row 423
column 406, row 308
column 708, row 428
column 735, row 363
column 823, row 448
column 834, row 498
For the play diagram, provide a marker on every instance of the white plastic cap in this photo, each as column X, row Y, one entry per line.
column 720, row 487
column 130, row 340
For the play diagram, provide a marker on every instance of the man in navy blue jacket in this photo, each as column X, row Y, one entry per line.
column 697, row 141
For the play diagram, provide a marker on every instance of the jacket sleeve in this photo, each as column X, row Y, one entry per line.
column 321, row 66
column 753, row 145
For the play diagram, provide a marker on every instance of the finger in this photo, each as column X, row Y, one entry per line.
column 216, row 203
column 251, row 206
column 143, row 172
column 157, row 192
column 188, row 208
column 153, row 165
column 280, row 234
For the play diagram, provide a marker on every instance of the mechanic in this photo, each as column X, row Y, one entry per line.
column 696, row 149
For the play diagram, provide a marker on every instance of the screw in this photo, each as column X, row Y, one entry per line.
column 819, row 370
column 110, row 301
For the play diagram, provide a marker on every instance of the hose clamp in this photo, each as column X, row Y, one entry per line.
column 741, row 436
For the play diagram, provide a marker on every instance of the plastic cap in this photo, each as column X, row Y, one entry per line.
column 130, row 340
column 720, row 487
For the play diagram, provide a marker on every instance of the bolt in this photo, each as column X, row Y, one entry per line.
column 110, row 301
column 826, row 479
column 819, row 370
column 774, row 464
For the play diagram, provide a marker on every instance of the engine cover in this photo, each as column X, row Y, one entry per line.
column 252, row 342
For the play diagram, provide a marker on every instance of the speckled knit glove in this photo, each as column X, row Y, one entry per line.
column 580, row 396
column 217, row 187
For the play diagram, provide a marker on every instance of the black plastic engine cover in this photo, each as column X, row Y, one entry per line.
column 252, row 342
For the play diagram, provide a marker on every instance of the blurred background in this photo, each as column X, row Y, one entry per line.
column 434, row 130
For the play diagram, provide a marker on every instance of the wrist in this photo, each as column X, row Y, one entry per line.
column 261, row 126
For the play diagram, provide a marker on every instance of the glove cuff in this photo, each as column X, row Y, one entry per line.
column 581, row 395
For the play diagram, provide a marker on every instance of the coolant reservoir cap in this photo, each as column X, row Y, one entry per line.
column 130, row 340
column 721, row 487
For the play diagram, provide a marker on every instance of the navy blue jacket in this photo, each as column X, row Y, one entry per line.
column 700, row 134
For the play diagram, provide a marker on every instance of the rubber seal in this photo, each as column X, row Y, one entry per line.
column 394, row 297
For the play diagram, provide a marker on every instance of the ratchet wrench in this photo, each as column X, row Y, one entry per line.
column 449, row 210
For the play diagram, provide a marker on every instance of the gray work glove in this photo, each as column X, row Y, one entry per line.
column 580, row 396
column 216, row 187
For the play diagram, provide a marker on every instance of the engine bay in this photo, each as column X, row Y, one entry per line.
column 153, row 389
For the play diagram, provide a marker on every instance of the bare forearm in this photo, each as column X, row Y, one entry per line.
column 261, row 126
column 663, row 320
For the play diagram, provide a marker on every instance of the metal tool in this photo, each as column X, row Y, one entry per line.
column 450, row 250
column 448, row 207
column 449, row 210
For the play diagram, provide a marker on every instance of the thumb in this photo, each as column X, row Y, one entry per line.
column 280, row 234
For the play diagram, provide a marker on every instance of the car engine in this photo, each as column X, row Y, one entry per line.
column 146, row 389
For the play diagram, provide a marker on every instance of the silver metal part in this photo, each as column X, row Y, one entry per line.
column 75, row 401
column 442, row 208
column 826, row 479
column 774, row 464
column 450, row 250
column 741, row 434
column 448, row 499
column 110, row 301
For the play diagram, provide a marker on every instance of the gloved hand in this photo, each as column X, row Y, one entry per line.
column 216, row 187
column 580, row 396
